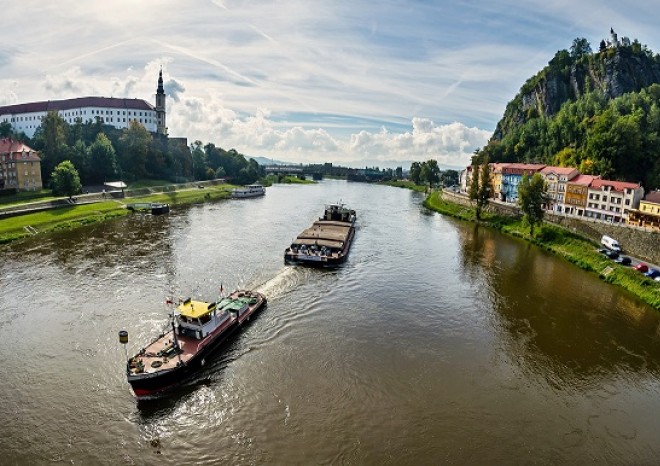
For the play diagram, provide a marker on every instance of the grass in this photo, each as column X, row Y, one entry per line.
column 566, row 244
column 147, row 184
column 22, row 197
column 405, row 184
column 287, row 179
column 14, row 228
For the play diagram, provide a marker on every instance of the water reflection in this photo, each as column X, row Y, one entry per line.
column 563, row 324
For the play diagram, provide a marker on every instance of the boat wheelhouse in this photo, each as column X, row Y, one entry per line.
column 197, row 329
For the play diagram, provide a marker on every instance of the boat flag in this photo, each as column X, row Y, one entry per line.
column 221, row 288
column 169, row 301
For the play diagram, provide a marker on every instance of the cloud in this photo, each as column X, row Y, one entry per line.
column 173, row 89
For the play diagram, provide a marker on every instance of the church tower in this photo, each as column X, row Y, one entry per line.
column 160, row 105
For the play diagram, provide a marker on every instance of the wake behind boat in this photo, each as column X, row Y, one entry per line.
column 198, row 328
column 327, row 242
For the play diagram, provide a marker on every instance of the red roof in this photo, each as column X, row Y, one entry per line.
column 79, row 102
column 17, row 148
column 584, row 180
column 559, row 170
column 616, row 185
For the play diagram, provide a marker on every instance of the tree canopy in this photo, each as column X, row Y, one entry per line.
column 65, row 180
column 531, row 192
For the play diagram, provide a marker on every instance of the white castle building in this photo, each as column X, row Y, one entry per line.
column 117, row 112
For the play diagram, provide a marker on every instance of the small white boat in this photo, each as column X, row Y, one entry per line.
column 251, row 190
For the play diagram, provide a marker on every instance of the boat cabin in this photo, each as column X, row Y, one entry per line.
column 197, row 319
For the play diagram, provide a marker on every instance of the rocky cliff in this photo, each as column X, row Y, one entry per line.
column 613, row 72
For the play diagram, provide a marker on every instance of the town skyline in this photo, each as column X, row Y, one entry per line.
column 348, row 83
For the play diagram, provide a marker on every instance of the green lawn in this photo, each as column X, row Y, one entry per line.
column 63, row 218
column 23, row 197
column 405, row 184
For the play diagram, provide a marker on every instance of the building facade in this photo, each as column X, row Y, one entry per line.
column 512, row 174
column 20, row 166
column 612, row 201
column 648, row 214
column 117, row 112
column 556, row 181
column 577, row 192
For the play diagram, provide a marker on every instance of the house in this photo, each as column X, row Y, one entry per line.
column 648, row 214
column 20, row 166
column 556, row 181
column 577, row 192
column 611, row 201
column 512, row 174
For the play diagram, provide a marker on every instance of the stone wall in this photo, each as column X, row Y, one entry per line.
column 638, row 242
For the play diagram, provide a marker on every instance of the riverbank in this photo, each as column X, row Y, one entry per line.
column 405, row 184
column 64, row 218
column 572, row 247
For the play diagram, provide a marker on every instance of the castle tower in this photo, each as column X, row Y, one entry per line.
column 615, row 41
column 160, row 105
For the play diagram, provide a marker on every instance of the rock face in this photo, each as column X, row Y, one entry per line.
column 613, row 72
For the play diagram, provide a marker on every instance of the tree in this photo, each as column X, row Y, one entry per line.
column 134, row 143
column 50, row 139
column 580, row 47
column 473, row 189
column 531, row 195
column 415, row 172
column 65, row 179
column 484, row 191
column 430, row 172
column 102, row 164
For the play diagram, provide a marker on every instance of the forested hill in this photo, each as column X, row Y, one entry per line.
column 599, row 111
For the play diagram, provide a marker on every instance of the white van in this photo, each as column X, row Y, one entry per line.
column 610, row 243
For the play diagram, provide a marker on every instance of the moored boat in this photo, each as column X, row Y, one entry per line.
column 197, row 329
column 251, row 190
column 327, row 242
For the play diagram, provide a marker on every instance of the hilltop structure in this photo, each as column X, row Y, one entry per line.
column 117, row 112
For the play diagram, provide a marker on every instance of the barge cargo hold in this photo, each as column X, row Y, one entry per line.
column 327, row 242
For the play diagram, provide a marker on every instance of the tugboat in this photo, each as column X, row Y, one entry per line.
column 198, row 328
column 327, row 242
column 251, row 190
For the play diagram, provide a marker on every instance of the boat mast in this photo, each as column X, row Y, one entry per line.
column 176, row 340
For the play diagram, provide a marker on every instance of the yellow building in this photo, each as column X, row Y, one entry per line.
column 648, row 214
column 20, row 166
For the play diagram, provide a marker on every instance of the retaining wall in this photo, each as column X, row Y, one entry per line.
column 638, row 242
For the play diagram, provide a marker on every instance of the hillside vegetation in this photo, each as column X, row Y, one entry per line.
column 598, row 111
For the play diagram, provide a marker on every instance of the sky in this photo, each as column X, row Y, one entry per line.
column 359, row 83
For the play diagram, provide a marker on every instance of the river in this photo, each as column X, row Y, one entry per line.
column 437, row 342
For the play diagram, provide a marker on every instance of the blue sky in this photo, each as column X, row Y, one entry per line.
column 359, row 82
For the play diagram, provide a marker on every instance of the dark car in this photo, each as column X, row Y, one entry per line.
column 652, row 273
column 623, row 260
column 612, row 254
column 641, row 267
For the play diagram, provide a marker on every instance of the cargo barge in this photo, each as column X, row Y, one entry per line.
column 327, row 242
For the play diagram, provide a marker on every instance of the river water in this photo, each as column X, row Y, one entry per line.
column 438, row 342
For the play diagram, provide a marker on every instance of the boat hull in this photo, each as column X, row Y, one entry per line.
column 319, row 261
column 154, row 385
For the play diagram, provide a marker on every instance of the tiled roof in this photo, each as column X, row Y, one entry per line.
column 653, row 196
column 79, row 102
column 9, row 146
column 558, row 170
column 616, row 185
column 584, row 180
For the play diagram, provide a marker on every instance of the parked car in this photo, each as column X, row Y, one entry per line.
column 603, row 250
column 657, row 279
column 623, row 260
column 612, row 254
column 652, row 273
column 641, row 267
